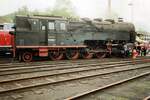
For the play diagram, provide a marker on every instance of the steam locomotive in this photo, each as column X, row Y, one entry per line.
column 58, row 37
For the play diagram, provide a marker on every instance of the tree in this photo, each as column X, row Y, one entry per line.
column 35, row 12
column 23, row 11
column 63, row 8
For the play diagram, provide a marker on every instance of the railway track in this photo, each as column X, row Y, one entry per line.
column 92, row 77
column 42, row 71
column 42, row 68
column 79, row 61
column 53, row 62
column 17, row 69
column 56, row 63
column 133, row 88
column 18, row 64
column 84, row 94
column 47, row 64
column 67, row 69
column 59, row 75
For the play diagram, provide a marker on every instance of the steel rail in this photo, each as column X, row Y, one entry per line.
column 51, row 62
column 66, row 67
column 66, row 80
column 107, row 86
column 63, row 61
column 66, row 72
column 54, row 65
column 47, row 68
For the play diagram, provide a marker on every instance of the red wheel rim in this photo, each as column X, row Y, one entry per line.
column 27, row 57
column 72, row 54
column 86, row 55
column 56, row 56
column 100, row 55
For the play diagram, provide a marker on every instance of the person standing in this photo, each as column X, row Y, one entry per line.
column 139, row 49
column 134, row 55
column 125, row 47
column 109, row 47
column 144, row 51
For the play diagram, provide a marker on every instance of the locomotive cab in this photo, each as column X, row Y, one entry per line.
column 6, row 39
column 37, row 30
column 6, row 42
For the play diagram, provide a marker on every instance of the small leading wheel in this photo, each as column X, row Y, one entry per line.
column 72, row 54
column 86, row 55
column 56, row 55
column 27, row 56
column 100, row 55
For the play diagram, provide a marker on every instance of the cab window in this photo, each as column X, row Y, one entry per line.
column 51, row 25
column 34, row 24
column 62, row 26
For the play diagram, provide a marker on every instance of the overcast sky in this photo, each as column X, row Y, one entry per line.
column 90, row 8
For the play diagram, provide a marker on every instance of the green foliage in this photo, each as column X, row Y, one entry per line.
column 9, row 18
column 5, row 20
column 61, row 8
column 23, row 11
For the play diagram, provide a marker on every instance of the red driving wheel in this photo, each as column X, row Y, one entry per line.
column 56, row 55
column 100, row 55
column 27, row 57
column 86, row 55
column 72, row 54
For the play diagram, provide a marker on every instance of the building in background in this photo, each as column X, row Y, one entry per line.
column 143, row 36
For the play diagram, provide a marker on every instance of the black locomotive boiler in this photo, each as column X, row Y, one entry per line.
column 57, row 37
